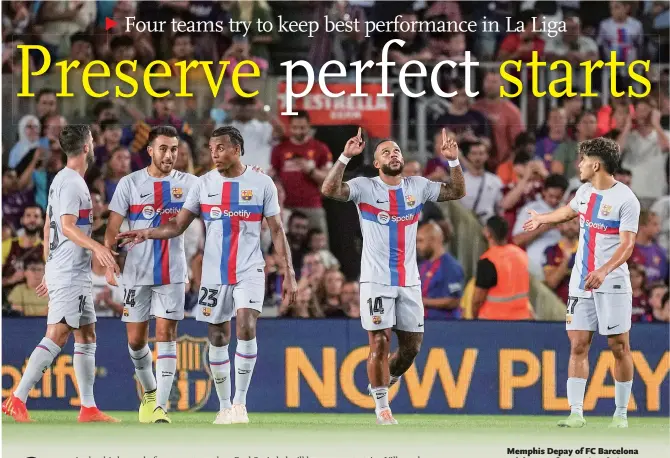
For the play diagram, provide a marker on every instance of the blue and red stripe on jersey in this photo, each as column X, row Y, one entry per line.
column 84, row 218
column 230, row 203
column 590, row 233
column 397, row 241
column 161, row 215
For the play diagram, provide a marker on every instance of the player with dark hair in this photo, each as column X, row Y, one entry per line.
column 389, row 206
column 233, row 200
column 155, row 275
column 67, row 280
column 600, row 289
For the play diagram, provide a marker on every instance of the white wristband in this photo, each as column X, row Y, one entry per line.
column 344, row 159
column 454, row 163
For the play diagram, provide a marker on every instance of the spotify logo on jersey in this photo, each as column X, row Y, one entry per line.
column 148, row 212
column 215, row 213
column 383, row 217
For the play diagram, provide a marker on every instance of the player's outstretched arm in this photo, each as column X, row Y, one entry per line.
column 454, row 187
column 333, row 186
column 73, row 233
column 173, row 228
column 560, row 215
column 290, row 286
column 113, row 226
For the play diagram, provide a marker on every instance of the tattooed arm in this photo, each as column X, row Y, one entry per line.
column 454, row 187
column 333, row 186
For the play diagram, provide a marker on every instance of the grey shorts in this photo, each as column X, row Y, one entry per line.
column 145, row 301
column 219, row 303
column 397, row 307
column 607, row 313
column 74, row 303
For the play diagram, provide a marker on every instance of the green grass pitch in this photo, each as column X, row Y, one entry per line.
column 292, row 435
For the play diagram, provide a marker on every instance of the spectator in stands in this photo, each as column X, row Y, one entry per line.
column 23, row 298
column 442, row 276
column 305, row 305
column 183, row 51
column 7, row 231
column 27, row 244
column 302, row 162
column 60, row 20
column 29, row 140
column 483, row 189
column 111, row 132
column 318, row 243
column 662, row 208
column 240, row 51
column 312, row 272
column 298, row 227
column 524, row 144
column 184, row 162
column 638, row 282
column 614, row 115
column 117, row 167
column 107, row 299
column 521, row 45
column 350, row 299
column 571, row 46
column 81, row 49
column 537, row 241
column 256, row 129
column 46, row 103
column 559, row 259
column 41, row 177
column 621, row 34
column 415, row 44
column 253, row 12
column 557, row 134
column 430, row 210
column 467, row 124
column 502, row 114
column 99, row 211
column 51, row 127
column 565, row 156
column 644, row 151
column 658, row 298
column 624, row 176
column 529, row 175
column 14, row 199
column 328, row 294
column 16, row 18
column 502, row 281
column 647, row 252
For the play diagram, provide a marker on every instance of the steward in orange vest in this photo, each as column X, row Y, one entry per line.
column 502, row 282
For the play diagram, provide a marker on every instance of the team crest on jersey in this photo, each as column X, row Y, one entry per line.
column 410, row 200
column 193, row 378
column 149, row 212
column 247, row 194
column 177, row 193
column 206, row 311
column 377, row 319
column 125, row 311
column 605, row 210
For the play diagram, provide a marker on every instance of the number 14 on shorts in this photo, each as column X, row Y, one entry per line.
column 376, row 308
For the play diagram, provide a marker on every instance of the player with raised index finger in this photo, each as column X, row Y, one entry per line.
column 389, row 206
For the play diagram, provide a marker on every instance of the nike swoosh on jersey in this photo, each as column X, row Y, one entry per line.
column 212, row 195
column 142, row 196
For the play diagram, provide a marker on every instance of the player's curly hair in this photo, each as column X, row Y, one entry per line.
column 73, row 137
column 233, row 134
column 605, row 149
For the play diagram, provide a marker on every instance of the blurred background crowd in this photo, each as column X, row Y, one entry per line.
column 519, row 154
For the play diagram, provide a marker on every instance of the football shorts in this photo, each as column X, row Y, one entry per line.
column 397, row 307
column 145, row 301
column 219, row 303
column 74, row 303
column 607, row 313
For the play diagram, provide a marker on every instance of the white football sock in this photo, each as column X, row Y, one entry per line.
column 166, row 366
column 84, row 370
column 219, row 363
column 245, row 360
column 143, row 362
column 381, row 395
column 394, row 379
column 40, row 359
column 621, row 397
column 576, row 388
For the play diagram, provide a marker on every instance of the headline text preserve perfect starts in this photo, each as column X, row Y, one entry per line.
column 159, row 70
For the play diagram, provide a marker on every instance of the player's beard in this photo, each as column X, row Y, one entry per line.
column 31, row 231
column 386, row 168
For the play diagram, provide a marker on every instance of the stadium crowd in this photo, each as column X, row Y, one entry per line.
column 512, row 166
